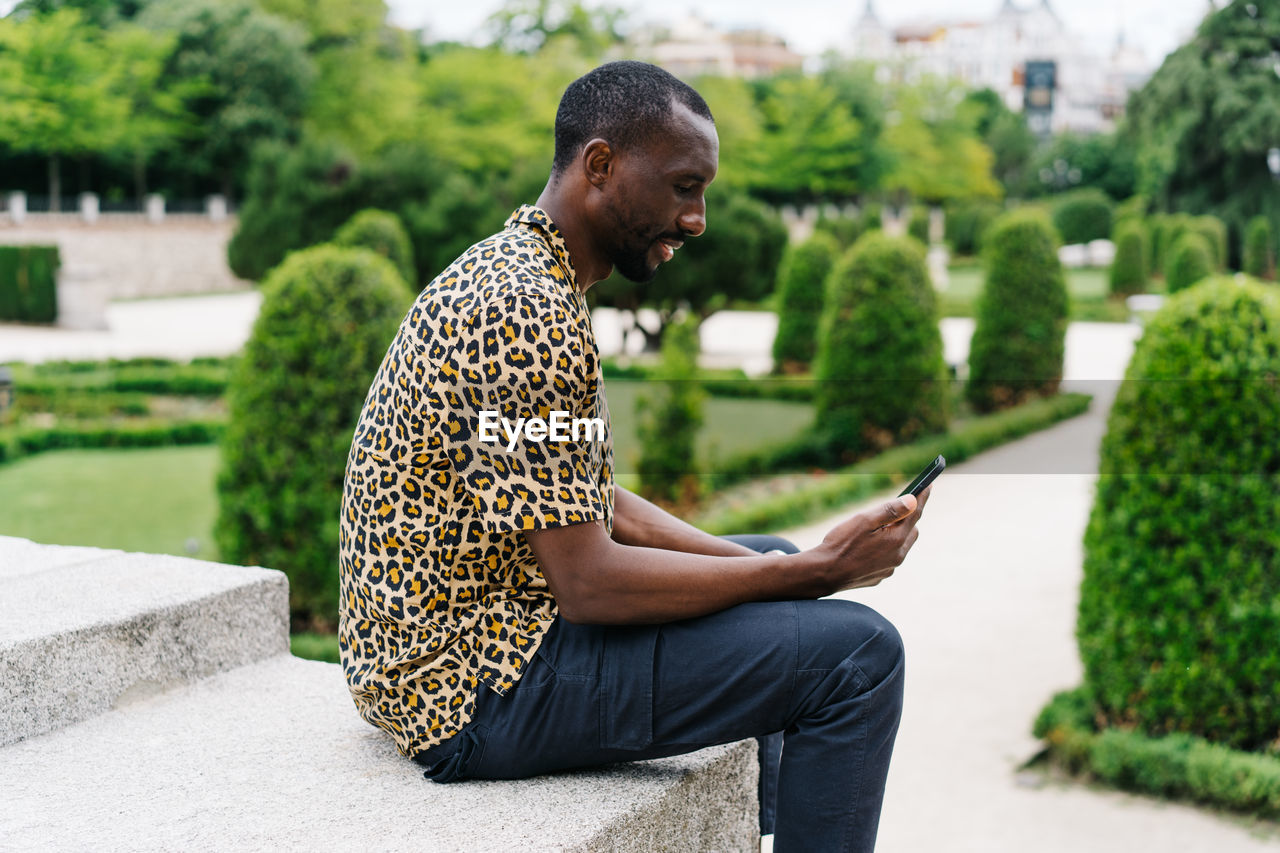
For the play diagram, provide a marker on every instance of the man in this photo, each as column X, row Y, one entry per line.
column 507, row 610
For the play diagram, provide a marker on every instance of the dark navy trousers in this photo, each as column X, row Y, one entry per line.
column 818, row 683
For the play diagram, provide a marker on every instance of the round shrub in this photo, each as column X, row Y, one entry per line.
column 967, row 222
column 327, row 316
column 1020, row 323
column 804, row 277
column 879, row 363
column 1190, row 261
column 845, row 230
column 1082, row 216
column 1214, row 231
column 1257, row 256
column 1129, row 269
column 1178, row 611
column 1175, row 225
column 384, row 233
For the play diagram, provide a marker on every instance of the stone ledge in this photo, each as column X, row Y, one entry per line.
column 84, row 628
column 273, row 756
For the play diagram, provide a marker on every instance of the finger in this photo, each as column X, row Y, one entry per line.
column 896, row 509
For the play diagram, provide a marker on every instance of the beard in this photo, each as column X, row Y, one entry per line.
column 632, row 262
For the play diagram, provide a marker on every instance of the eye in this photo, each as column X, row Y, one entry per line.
column 684, row 189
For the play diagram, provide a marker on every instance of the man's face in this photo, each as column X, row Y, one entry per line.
column 657, row 197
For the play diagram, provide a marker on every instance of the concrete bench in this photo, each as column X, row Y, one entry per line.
column 150, row 703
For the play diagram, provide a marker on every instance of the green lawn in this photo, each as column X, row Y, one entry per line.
column 155, row 499
column 1089, row 289
column 160, row 500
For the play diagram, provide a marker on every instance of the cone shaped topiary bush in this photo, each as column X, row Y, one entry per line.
column 1020, row 329
column 882, row 379
column 1190, row 261
column 1258, row 260
column 1129, row 268
column 384, row 233
column 1180, row 605
column 803, row 282
column 1214, row 231
column 327, row 317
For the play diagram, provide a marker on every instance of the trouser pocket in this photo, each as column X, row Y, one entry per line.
column 626, row 687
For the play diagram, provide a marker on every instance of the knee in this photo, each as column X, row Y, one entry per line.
column 864, row 637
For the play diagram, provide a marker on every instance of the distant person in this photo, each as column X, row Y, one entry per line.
column 507, row 609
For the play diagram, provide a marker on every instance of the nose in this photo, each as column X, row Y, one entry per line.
column 693, row 217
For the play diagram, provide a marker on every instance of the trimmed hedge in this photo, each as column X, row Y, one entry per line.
column 384, row 233
column 1129, row 269
column 16, row 442
column 918, row 224
column 1019, row 337
column 881, row 376
column 1083, row 215
column 29, row 283
column 1257, row 255
column 1176, row 766
column 892, row 468
column 1214, row 231
column 805, row 269
column 327, row 317
column 1178, row 611
column 1190, row 261
column 668, row 425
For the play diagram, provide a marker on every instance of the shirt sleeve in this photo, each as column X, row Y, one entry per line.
column 518, row 410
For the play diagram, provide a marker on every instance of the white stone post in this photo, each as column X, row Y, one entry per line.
column 216, row 207
column 155, row 208
column 18, row 207
column 89, row 207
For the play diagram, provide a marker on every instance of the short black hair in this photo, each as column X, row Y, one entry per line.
column 625, row 103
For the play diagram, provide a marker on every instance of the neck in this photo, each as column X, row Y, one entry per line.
column 589, row 263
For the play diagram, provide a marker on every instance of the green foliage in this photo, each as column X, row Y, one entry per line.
column 383, row 233
column 1129, row 268
column 1019, row 335
column 937, row 155
column 250, row 79
column 327, row 317
column 58, row 89
column 136, row 376
column 1178, row 611
column 803, row 280
column 1178, row 766
column 879, row 363
column 1006, row 133
column 967, row 222
column 29, row 283
column 19, row 441
column 527, row 26
column 918, row 224
column 1259, row 259
column 891, row 468
column 1102, row 161
column 1082, row 216
column 1190, row 261
column 668, row 426
column 1202, row 124
column 736, row 258
column 1214, row 232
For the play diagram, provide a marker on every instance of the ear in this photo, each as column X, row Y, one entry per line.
column 598, row 162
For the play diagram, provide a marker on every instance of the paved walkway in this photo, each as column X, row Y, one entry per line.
column 986, row 602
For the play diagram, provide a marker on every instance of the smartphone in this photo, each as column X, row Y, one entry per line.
column 927, row 476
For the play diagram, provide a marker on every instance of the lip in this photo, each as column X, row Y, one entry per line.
column 668, row 247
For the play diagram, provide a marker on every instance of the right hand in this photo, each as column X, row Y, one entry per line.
column 867, row 548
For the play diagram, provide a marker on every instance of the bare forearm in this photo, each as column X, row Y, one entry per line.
column 638, row 522
column 637, row 585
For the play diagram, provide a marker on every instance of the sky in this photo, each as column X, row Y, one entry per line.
column 810, row 26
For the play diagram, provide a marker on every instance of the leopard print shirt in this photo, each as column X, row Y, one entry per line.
column 440, row 593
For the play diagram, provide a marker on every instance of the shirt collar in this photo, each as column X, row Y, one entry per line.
column 537, row 218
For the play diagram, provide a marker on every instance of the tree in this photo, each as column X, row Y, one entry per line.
column 1257, row 255
column 59, row 92
column 802, row 284
column 937, row 154
column 667, row 425
column 1203, row 123
column 1006, row 133
column 251, row 76
column 527, row 26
